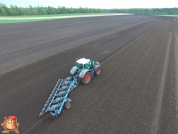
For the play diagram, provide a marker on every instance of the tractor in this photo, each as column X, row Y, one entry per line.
column 85, row 69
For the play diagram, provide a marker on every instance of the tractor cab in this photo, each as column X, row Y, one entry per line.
column 83, row 63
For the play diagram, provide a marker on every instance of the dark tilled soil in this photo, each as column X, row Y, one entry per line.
column 25, row 43
column 121, row 100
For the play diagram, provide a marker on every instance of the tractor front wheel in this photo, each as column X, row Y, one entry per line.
column 86, row 79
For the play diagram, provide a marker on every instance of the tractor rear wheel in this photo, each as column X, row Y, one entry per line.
column 86, row 79
column 98, row 70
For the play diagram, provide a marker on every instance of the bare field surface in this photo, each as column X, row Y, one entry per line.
column 136, row 93
column 25, row 43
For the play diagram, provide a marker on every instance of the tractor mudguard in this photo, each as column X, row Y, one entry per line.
column 96, row 66
column 73, row 70
column 82, row 73
column 96, row 63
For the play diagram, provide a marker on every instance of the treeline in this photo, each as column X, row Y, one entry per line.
column 157, row 11
column 40, row 10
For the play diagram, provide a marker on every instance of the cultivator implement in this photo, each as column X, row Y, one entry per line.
column 59, row 96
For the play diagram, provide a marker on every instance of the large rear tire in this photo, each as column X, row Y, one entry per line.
column 98, row 70
column 86, row 79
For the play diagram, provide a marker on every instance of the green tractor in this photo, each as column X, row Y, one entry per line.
column 85, row 69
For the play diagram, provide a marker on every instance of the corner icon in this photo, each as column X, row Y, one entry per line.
column 10, row 124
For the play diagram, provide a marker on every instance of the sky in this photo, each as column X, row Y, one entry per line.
column 103, row 4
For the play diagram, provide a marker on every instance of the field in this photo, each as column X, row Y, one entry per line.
column 136, row 93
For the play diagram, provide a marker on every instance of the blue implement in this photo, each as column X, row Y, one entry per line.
column 59, row 96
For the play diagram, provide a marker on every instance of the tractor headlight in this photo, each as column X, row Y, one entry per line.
column 71, row 71
column 81, row 74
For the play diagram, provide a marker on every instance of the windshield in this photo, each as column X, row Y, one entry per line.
column 87, row 65
column 79, row 65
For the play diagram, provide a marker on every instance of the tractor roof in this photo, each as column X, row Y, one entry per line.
column 83, row 61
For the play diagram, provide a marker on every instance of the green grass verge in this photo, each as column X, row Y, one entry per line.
column 167, row 15
column 16, row 21
column 19, row 19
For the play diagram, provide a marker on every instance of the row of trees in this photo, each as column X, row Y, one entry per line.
column 40, row 10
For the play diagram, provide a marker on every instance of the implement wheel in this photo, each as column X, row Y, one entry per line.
column 67, row 105
column 86, row 79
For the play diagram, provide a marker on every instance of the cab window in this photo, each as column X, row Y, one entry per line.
column 79, row 65
column 87, row 65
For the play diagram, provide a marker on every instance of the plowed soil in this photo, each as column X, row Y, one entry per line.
column 136, row 92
